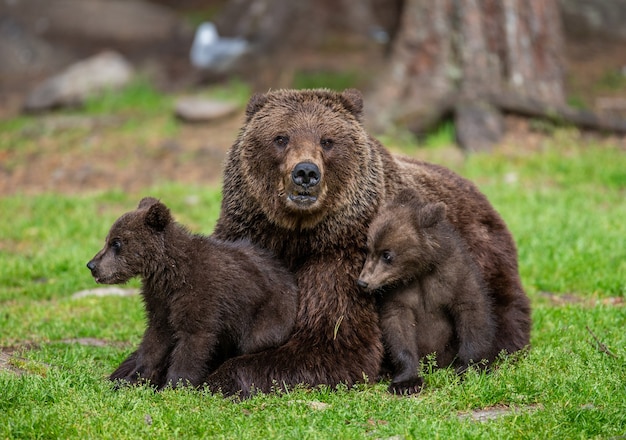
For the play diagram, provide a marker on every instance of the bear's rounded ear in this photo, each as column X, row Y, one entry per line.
column 256, row 103
column 431, row 214
column 146, row 202
column 158, row 216
column 352, row 100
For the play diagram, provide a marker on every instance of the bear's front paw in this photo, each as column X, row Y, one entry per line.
column 466, row 366
column 175, row 380
column 126, row 368
column 224, row 381
column 136, row 378
column 407, row 387
column 130, row 380
column 139, row 376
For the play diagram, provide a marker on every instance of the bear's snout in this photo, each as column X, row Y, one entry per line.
column 95, row 269
column 306, row 174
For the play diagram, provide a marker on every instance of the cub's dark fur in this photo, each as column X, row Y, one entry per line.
column 434, row 299
column 206, row 300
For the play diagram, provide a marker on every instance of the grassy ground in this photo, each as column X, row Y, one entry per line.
column 564, row 200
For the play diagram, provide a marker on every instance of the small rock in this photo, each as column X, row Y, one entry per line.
column 107, row 70
column 313, row 404
column 318, row 406
column 202, row 110
column 511, row 178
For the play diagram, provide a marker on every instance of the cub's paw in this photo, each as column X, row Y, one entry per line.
column 407, row 387
column 126, row 368
column 138, row 377
column 175, row 380
column 131, row 380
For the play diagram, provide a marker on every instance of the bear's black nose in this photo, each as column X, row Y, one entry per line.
column 91, row 265
column 305, row 174
column 362, row 284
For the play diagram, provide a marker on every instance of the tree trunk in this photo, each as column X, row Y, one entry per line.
column 452, row 56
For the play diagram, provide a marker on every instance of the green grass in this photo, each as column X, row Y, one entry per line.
column 327, row 79
column 439, row 137
column 139, row 96
column 565, row 206
column 565, row 203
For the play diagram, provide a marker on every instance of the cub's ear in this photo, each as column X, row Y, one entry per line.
column 256, row 103
column 431, row 214
column 146, row 202
column 352, row 100
column 158, row 216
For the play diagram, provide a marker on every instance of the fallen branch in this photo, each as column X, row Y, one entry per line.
column 602, row 347
column 583, row 119
column 483, row 127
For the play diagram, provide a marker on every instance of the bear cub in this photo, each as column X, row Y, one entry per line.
column 433, row 298
column 206, row 300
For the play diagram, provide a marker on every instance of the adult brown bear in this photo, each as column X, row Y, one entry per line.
column 304, row 179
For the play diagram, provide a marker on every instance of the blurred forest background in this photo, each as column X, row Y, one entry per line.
column 420, row 63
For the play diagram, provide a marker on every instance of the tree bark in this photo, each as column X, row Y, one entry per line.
column 452, row 56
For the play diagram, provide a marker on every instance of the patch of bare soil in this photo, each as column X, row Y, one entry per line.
column 496, row 412
column 565, row 299
column 82, row 154
column 11, row 359
column 8, row 361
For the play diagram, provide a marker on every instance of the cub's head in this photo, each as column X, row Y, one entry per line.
column 303, row 155
column 402, row 242
column 132, row 243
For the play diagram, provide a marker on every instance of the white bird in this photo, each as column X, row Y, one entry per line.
column 210, row 51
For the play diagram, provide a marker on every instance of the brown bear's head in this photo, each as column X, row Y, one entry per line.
column 132, row 243
column 303, row 155
column 403, row 241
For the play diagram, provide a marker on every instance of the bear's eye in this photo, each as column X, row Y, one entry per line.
column 327, row 144
column 281, row 141
column 387, row 257
column 116, row 245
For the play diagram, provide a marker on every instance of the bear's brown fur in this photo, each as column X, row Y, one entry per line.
column 206, row 300
column 432, row 296
column 304, row 180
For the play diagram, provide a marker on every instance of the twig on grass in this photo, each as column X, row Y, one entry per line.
column 601, row 346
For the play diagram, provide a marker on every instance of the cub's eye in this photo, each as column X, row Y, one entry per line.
column 387, row 257
column 281, row 141
column 327, row 144
column 116, row 245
